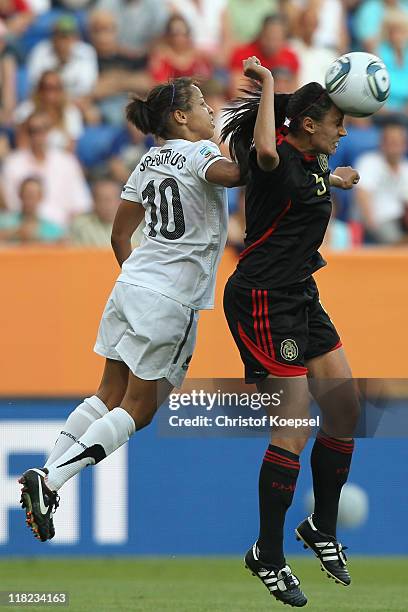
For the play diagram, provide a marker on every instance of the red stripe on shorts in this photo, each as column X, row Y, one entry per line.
column 254, row 311
column 268, row 329
column 261, row 322
column 337, row 346
column 269, row 363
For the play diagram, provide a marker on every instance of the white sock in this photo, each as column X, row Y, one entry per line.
column 77, row 423
column 100, row 440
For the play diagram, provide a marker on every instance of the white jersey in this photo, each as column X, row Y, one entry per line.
column 186, row 222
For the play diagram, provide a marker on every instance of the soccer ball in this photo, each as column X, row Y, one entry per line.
column 358, row 83
column 353, row 506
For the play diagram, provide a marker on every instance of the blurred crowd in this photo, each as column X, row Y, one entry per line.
column 68, row 67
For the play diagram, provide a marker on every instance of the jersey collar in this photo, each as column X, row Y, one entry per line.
column 306, row 156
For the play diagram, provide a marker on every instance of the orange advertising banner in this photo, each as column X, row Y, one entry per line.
column 52, row 300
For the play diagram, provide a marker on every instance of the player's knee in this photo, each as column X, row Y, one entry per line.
column 292, row 444
column 342, row 423
column 351, row 417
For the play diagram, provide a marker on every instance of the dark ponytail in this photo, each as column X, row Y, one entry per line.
column 137, row 114
column 311, row 100
column 151, row 116
column 241, row 123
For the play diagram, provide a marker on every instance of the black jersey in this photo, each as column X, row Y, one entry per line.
column 287, row 213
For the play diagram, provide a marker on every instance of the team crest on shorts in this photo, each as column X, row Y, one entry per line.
column 323, row 162
column 289, row 349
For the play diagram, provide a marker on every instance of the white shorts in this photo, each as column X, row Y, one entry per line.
column 153, row 334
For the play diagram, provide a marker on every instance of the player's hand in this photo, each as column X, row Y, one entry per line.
column 253, row 69
column 348, row 177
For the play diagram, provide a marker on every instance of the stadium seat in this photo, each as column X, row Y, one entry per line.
column 95, row 144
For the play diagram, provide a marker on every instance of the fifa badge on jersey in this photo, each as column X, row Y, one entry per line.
column 289, row 349
column 207, row 152
column 323, row 161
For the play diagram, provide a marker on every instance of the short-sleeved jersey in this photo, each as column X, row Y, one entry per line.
column 287, row 212
column 186, row 222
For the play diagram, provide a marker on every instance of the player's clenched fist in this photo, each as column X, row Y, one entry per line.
column 253, row 69
column 348, row 175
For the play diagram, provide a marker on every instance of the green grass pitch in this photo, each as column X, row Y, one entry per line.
column 196, row 584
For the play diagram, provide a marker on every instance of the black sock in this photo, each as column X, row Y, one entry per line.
column 330, row 462
column 277, row 482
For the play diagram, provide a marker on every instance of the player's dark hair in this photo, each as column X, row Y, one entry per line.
column 311, row 100
column 151, row 116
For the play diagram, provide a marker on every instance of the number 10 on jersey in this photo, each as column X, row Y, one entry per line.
column 167, row 187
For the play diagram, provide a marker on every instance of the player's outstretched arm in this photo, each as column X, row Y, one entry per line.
column 344, row 177
column 264, row 131
column 224, row 172
column 129, row 215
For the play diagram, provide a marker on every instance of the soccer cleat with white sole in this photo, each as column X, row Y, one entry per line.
column 327, row 549
column 282, row 584
column 39, row 503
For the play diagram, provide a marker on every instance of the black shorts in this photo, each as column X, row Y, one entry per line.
column 278, row 330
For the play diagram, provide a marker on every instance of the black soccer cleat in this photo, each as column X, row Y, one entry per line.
column 327, row 549
column 282, row 584
column 39, row 503
column 52, row 526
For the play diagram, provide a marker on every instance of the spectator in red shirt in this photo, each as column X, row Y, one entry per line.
column 17, row 15
column 176, row 54
column 272, row 49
